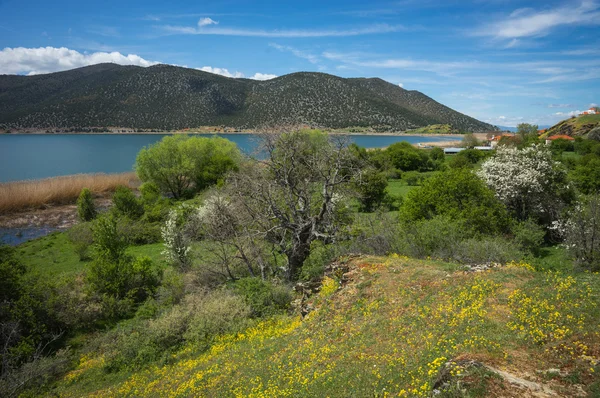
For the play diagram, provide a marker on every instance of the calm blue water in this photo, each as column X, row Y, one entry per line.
column 26, row 157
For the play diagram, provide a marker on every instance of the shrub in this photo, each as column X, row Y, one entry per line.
column 199, row 319
column 139, row 232
column 529, row 236
column 86, row 210
column 586, row 176
column 126, row 204
column 371, row 189
column 486, row 250
column 413, row 178
column 437, row 154
column 467, row 158
column 82, row 238
column 109, row 244
column 459, row 195
column 436, row 237
column 406, row 157
column 264, row 298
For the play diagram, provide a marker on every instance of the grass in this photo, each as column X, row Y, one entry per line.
column 399, row 188
column 51, row 255
column 54, row 255
column 388, row 331
column 20, row 195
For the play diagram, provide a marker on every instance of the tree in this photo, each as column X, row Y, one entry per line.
column 294, row 196
column 459, row 195
column 470, row 141
column 586, row 176
column 182, row 165
column 582, row 233
column 125, row 203
column 527, row 134
column 371, row 186
column 528, row 182
column 406, row 157
column 86, row 210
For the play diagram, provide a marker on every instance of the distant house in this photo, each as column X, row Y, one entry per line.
column 558, row 137
column 591, row 111
column 495, row 139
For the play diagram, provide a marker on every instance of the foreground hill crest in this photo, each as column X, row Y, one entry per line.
column 169, row 97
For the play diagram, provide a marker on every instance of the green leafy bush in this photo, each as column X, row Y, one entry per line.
column 529, row 236
column 126, row 204
column 263, row 297
column 86, row 210
column 199, row 319
column 109, row 244
column 371, row 189
column 82, row 238
column 460, row 195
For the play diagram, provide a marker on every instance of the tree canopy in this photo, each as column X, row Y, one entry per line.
column 182, row 165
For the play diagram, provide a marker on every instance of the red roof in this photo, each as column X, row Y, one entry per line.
column 560, row 137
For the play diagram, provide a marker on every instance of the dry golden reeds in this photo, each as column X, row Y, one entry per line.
column 19, row 195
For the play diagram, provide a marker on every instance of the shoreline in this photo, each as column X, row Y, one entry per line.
column 408, row 134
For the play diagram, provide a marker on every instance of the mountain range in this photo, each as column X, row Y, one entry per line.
column 167, row 97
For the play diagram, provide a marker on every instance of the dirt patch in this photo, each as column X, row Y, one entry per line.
column 57, row 216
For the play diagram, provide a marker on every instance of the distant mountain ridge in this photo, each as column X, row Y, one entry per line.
column 168, row 97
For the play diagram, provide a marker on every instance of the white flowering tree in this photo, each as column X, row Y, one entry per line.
column 528, row 181
column 176, row 241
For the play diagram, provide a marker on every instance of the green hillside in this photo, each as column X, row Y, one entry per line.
column 391, row 327
column 578, row 126
column 168, row 97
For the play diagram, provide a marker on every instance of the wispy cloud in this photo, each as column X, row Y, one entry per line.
column 283, row 33
column 442, row 68
column 313, row 59
column 207, row 21
column 560, row 106
column 528, row 22
column 34, row 61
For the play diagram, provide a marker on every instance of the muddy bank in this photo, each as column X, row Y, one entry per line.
column 19, row 227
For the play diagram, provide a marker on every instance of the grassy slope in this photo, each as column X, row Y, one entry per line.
column 387, row 331
column 575, row 127
column 55, row 255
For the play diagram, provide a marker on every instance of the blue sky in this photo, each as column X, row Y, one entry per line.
column 500, row 61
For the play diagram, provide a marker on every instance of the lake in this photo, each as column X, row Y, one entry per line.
column 27, row 157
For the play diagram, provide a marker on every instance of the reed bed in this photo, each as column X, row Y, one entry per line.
column 15, row 196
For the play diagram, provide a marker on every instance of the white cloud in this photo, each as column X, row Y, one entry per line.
column 401, row 85
column 593, row 105
column 263, row 76
column 313, row 59
column 531, row 23
column 34, row 61
column 237, row 75
column 288, row 33
column 207, row 21
column 221, row 71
